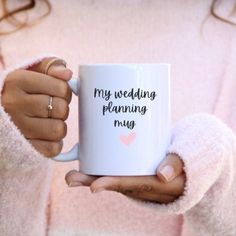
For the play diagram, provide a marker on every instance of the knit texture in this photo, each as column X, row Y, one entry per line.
column 203, row 72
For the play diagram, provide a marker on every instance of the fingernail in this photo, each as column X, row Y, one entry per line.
column 59, row 71
column 98, row 190
column 64, row 70
column 167, row 172
column 74, row 184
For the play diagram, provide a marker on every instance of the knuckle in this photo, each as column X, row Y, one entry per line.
column 54, row 148
column 10, row 98
column 63, row 89
column 138, row 190
column 18, row 76
column 6, row 102
column 13, row 75
column 69, row 95
column 59, row 130
column 62, row 109
column 67, row 113
column 10, row 103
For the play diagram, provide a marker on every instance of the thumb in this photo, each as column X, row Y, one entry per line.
column 170, row 168
column 55, row 67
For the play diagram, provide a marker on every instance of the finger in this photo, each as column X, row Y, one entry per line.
column 57, row 69
column 36, row 83
column 48, row 149
column 152, row 197
column 124, row 183
column 75, row 178
column 44, row 129
column 140, row 187
column 171, row 167
column 172, row 191
column 37, row 106
column 139, row 184
column 177, row 185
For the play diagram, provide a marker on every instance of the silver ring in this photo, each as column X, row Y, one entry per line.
column 50, row 107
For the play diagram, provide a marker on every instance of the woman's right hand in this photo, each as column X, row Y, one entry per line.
column 25, row 97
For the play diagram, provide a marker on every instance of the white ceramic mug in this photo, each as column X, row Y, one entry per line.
column 124, row 112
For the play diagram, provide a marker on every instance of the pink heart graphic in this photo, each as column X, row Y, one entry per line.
column 128, row 139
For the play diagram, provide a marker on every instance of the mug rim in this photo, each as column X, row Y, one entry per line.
column 124, row 64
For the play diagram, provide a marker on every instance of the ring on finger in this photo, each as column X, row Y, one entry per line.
column 50, row 107
column 54, row 61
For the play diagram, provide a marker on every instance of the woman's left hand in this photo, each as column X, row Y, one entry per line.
column 164, row 187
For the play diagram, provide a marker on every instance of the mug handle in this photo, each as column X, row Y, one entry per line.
column 72, row 155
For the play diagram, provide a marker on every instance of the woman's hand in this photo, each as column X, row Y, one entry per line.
column 164, row 187
column 25, row 97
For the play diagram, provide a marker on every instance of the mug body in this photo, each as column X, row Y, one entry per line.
column 124, row 118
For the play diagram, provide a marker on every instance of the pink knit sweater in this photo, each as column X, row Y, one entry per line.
column 34, row 198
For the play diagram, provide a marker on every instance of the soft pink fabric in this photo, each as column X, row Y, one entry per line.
column 203, row 58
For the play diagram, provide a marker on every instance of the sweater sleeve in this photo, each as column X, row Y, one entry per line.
column 24, row 177
column 208, row 150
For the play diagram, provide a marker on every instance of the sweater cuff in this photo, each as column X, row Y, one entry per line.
column 204, row 144
column 15, row 151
